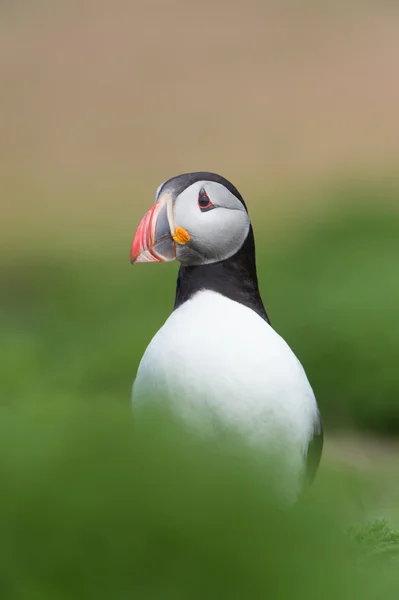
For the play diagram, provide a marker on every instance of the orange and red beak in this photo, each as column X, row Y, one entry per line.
column 156, row 236
column 153, row 241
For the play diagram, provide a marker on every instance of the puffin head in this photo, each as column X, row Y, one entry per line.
column 197, row 219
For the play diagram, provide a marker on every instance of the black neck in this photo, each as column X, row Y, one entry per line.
column 234, row 278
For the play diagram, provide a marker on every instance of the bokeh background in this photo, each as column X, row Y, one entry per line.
column 297, row 104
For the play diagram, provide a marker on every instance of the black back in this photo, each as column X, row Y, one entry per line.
column 315, row 449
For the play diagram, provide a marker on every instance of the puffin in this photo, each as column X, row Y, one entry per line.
column 217, row 359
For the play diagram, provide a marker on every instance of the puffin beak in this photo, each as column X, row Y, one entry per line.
column 156, row 236
column 153, row 241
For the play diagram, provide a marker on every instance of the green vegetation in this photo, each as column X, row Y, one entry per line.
column 335, row 296
column 92, row 507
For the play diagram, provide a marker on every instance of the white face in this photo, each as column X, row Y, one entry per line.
column 196, row 219
column 217, row 230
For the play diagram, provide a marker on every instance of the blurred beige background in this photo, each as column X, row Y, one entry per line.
column 102, row 101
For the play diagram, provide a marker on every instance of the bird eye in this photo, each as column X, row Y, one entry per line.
column 204, row 202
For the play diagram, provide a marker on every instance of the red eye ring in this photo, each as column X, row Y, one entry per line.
column 204, row 201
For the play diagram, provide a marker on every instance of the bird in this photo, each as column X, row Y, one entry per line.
column 217, row 358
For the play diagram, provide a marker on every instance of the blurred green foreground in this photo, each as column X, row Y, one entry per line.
column 94, row 507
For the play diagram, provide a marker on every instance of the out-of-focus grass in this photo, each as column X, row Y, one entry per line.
column 337, row 304
column 96, row 505
column 77, row 327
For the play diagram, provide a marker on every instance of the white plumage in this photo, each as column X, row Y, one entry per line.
column 216, row 358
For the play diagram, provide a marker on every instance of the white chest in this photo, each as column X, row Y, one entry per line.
column 217, row 359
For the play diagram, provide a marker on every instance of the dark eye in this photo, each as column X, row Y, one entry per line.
column 203, row 201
